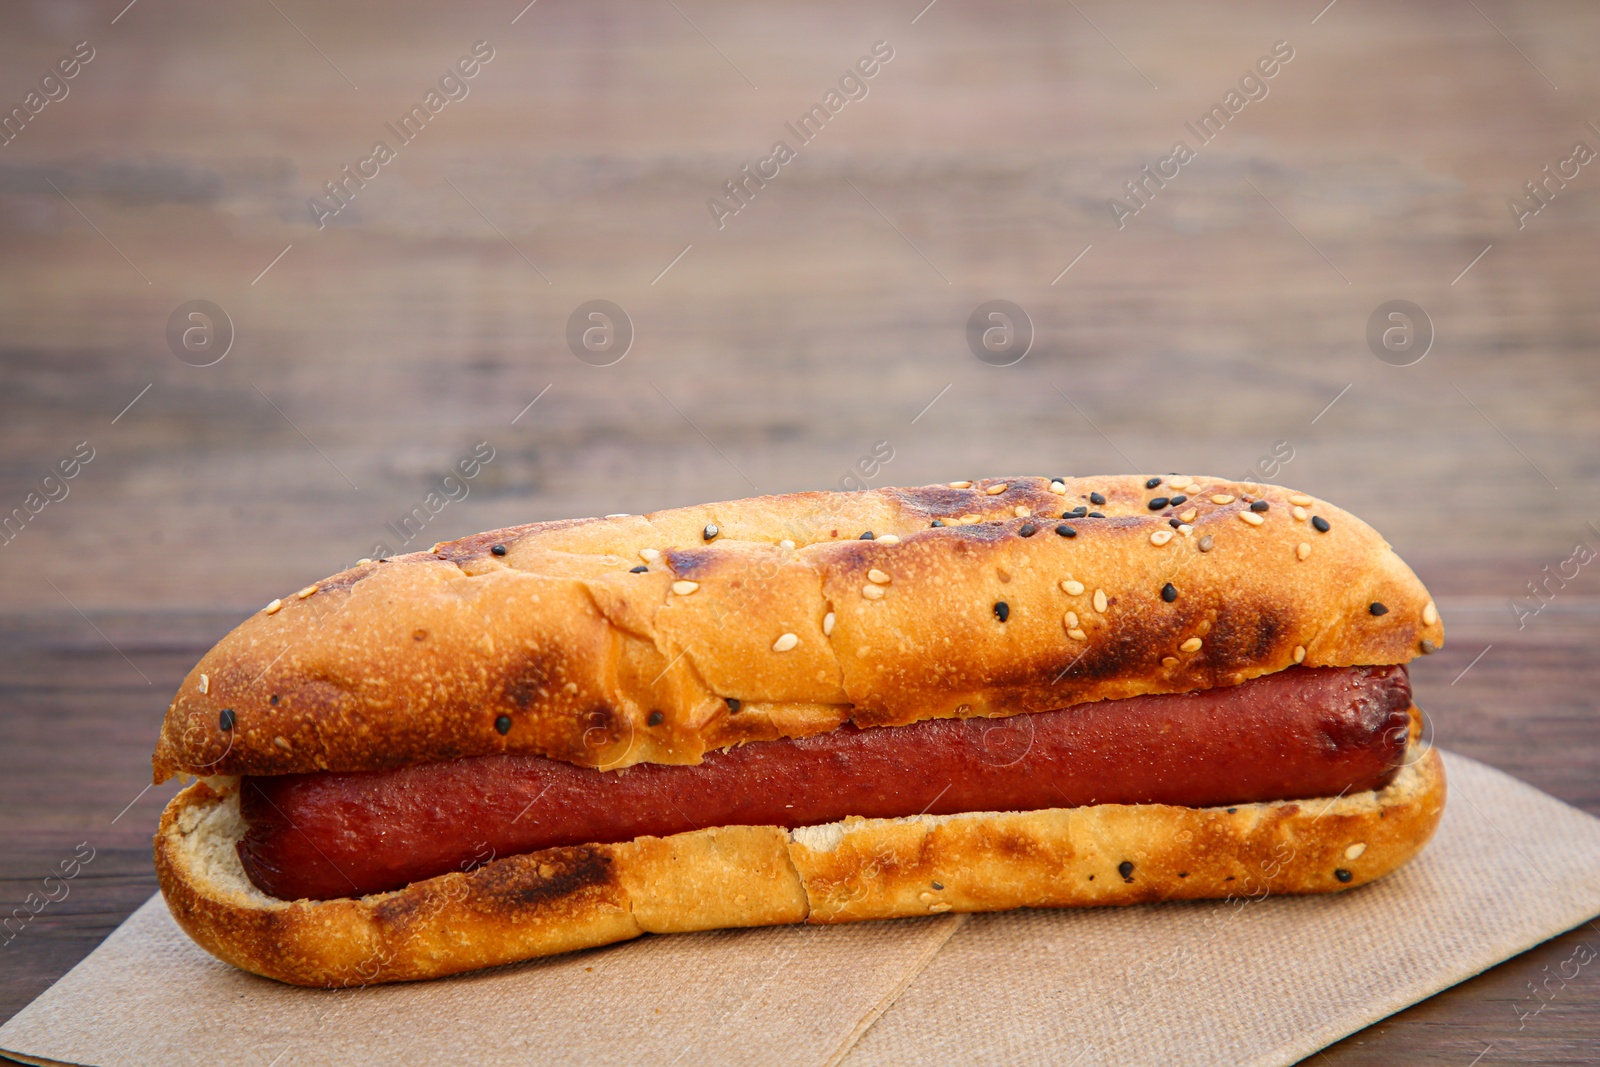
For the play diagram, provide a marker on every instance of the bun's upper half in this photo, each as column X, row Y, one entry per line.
column 772, row 617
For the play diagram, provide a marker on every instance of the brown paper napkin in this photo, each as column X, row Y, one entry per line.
column 1264, row 982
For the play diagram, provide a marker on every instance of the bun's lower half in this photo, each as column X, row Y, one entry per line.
column 563, row 899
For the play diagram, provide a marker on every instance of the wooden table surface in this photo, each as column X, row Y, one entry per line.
column 1223, row 323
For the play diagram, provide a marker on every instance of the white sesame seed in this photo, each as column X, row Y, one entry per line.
column 1160, row 537
column 1300, row 514
column 619, row 515
column 1302, row 550
column 282, row 742
column 940, row 907
column 1077, row 635
column 1185, row 529
column 875, row 575
column 1100, row 601
column 1021, row 512
column 1189, row 515
column 363, row 561
column 205, row 684
column 1071, row 620
column 786, row 543
column 960, row 485
column 1221, row 498
column 1252, row 518
column 1355, row 850
column 683, row 587
column 649, row 555
column 968, row 520
column 1429, row 648
column 872, row 592
column 273, row 607
column 1301, row 499
column 1192, row 487
column 1059, row 488
column 785, row 643
column 827, row 625
column 1070, row 586
column 1299, row 653
column 889, row 539
column 1169, row 661
column 1430, row 614
column 307, row 591
column 1205, row 543
column 996, row 490
column 1191, row 645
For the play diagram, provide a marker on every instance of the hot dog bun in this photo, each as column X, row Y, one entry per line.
column 542, row 903
column 556, row 648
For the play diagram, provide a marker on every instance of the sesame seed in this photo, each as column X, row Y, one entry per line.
column 1343, row 875
column 1160, row 537
column 1355, row 850
column 1096, row 498
column 940, row 907
column 1252, row 518
column 1076, row 513
column 1205, row 543
column 1151, row 483
column 1002, row 610
column 968, row 520
column 960, row 485
column 502, row 725
column 1259, row 505
column 1302, row 550
column 498, row 550
column 786, row 543
column 1301, row 499
column 205, row 684
column 1377, row 608
column 866, row 536
column 1179, row 499
column 1430, row 614
column 654, row 719
column 683, row 587
column 889, row 539
column 1125, row 868
column 875, row 575
column 937, row 522
column 1066, row 531
column 1021, row 512
column 1169, row 592
column 710, row 531
column 1058, row 488
column 827, row 625
column 1157, row 503
column 1300, row 514
column 363, row 561
column 1027, row 529
column 226, row 718
column 1320, row 523
column 1185, row 529
column 1190, row 515
column 640, row 569
column 996, row 490
column 785, row 642
column 937, row 885
column 1174, row 523
column 1070, row 619
column 649, row 555
column 272, row 608
column 1191, row 645
column 872, row 592
column 1428, row 647
column 1100, row 601
column 307, row 591
column 1299, row 653
column 1077, row 635
column 1221, row 498
column 1095, row 515
column 282, row 742
column 1169, row 661
column 733, row 705
column 1075, row 588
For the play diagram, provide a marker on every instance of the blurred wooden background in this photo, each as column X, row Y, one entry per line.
column 771, row 354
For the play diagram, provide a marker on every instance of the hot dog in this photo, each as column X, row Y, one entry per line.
column 555, row 735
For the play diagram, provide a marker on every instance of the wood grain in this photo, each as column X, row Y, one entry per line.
column 1224, row 318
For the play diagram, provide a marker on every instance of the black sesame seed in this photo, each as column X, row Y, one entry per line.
column 1343, row 875
column 1157, row 503
column 655, row 718
column 1027, row 529
column 498, row 550
column 1183, row 874
column 1002, row 610
column 1076, row 513
column 733, row 705
column 1174, row 523
column 640, row 569
column 1233, row 811
column 503, row 724
column 1151, row 483
column 1095, row 515
column 225, row 718
column 1377, row 608
column 938, row 522
column 710, row 531
column 1169, row 592
column 1320, row 523
column 274, row 700
column 866, row 537
column 1066, row 531
column 1096, row 498
column 1259, row 505
column 1125, row 868
column 938, row 885
column 1175, row 501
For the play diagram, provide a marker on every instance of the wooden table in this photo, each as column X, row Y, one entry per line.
column 1227, row 315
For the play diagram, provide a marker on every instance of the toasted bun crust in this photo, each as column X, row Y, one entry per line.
column 563, row 899
column 428, row 656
